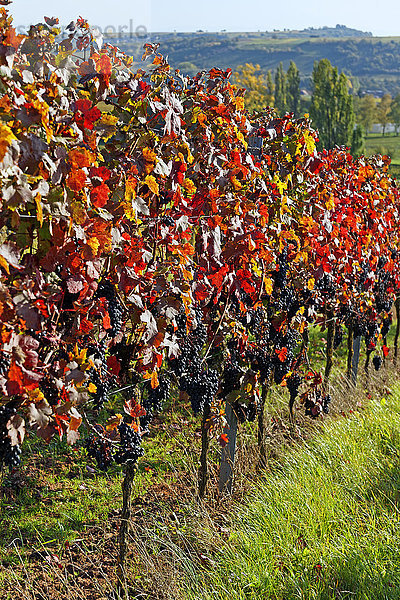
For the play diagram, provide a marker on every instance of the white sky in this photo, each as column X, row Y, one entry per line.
column 381, row 18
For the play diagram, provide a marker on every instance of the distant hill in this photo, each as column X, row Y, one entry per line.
column 373, row 62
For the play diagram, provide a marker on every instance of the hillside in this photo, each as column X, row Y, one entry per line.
column 374, row 61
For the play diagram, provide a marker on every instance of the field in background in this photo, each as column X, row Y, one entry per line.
column 389, row 144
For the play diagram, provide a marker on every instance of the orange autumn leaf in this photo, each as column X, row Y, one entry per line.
column 80, row 157
column 76, row 180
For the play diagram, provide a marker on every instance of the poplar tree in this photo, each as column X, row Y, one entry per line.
column 293, row 89
column 280, row 91
column 331, row 106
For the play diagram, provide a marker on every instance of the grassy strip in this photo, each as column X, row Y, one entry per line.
column 325, row 525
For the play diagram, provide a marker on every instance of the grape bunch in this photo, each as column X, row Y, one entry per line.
column 201, row 387
column 5, row 362
column 293, row 383
column 338, row 339
column 155, row 400
column 50, row 391
column 385, row 327
column 383, row 301
column 191, row 345
column 261, row 362
column 315, row 403
column 130, row 445
column 282, row 368
column 99, row 375
column 231, row 376
column 10, row 455
column 107, row 290
column 101, row 450
column 377, row 362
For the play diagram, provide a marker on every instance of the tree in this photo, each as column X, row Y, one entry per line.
column 331, row 105
column 259, row 87
column 395, row 112
column 357, row 141
column 293, row 88
column 383, row 109
column 365, row 110
column 280, row 91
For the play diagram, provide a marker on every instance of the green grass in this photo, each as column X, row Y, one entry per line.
column 388, row 144
column 325, row 525
column 322, row 502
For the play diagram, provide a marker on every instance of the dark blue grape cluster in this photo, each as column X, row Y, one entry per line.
column 99, row 376
column 293, row 383
column 130, row 445
column 107, row 290
column 101, row 450
column 5, row 362
column 201, row 387
column 155, row 400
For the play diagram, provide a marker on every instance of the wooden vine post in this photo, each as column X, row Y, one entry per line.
column 330, row 341
column 122, row 587
column 355, row 359
column 205, row 442
column 396, row 338
column 261, row 424
column 350, row 342
column 228, row 451
column 353, row 354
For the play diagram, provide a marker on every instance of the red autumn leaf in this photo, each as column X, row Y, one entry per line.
column 101, row 172
column 113, row 365
column 385, row 351
column 134, row 409
column 106, row 321
column 223, row 440
column 99, row 195
column 85, row 326
column 282, row 354
column 20, row 380
column 83, row 105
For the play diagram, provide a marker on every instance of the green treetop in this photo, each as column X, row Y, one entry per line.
column 331, row 106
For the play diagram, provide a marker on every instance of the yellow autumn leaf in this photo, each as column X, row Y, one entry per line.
column 108, row 119
column 310, row 142
column 152, row 184
column 241, row 138
column 269, row 285
column 281, row 185
column 238, row 101
column 39, row 209
column 311, row 283
column 92, row 388
column 4, row 264
column 330, row 204
column 94, row 244
column 130, row 189
column 6, row 137
column 189, row 187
